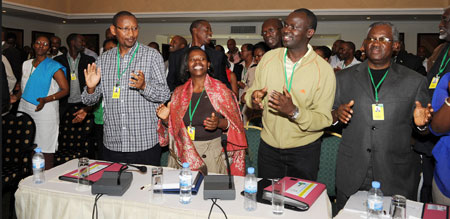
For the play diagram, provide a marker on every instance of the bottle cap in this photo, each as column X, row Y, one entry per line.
column 38, row 150
column 376, row 184
column 185, row 165
column 251, row 170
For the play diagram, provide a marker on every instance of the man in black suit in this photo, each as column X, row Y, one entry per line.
column 75, row 62
column 409, row 60
column 201, row 36
column 379, row 104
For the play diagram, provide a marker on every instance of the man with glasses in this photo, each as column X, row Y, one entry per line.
column 295, row 89
column 379, row 103
column 271, row 33
column 132, row 85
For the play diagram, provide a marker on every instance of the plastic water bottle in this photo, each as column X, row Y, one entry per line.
column 185, row 184
column 38, row 166
column 374, row 201
column 250, row 189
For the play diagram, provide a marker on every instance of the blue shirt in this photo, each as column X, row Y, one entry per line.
column 441, row 151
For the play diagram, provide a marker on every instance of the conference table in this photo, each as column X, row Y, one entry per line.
column 59, row 199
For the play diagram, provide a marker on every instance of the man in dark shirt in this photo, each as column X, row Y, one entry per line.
column 201, row 36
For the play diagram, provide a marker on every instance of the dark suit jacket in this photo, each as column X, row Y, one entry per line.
column 178, row 74
column 386, row 143
column 84, row 61
column 411, row 61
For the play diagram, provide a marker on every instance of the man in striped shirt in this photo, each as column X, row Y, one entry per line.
column 131, row 80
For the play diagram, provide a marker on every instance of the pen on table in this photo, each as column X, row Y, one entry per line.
column 145, row 187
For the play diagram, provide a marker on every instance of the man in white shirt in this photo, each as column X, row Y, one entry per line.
column 347, row 56
column 334, row 59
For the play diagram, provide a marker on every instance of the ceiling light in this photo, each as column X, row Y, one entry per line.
column 4, row 11
column 64, row 22
column 368, row 18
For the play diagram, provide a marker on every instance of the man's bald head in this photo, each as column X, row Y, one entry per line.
column 271, row 32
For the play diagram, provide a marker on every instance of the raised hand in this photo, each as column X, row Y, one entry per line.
column 163, row 112
column 211, row 123
column 422, row 115
column 344, row 112
column 282, row 102
column 257, row 97
column 137, row 80
column 92, row 75
column 42, row 102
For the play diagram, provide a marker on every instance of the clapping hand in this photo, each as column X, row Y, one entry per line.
column 211, row 123
column 422, row 115
column 257, row 97
column 137, row 80
column 163, row 112
column 344, row 112
column 282, row 102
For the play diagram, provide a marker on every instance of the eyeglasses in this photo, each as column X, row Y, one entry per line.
column 41, row 43
column 128, row 29
column 292, row 27
column 270, row 30
column 379, row 39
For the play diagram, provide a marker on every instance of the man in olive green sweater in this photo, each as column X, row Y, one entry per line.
column 300, row 88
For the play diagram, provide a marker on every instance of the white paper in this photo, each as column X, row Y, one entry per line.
column 171, row 179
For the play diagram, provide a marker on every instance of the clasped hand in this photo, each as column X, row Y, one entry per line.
column 282, row 102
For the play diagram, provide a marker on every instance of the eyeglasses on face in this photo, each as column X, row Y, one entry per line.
column 128, row 29
column 41, row 43
column 379, row 39
column 270, row 30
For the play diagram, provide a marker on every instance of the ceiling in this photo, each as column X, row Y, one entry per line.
column 225, row 16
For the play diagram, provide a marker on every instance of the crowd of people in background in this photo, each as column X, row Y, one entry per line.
column 392, row 107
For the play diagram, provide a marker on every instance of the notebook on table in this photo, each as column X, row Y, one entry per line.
column 96, row 170
column 298, row 192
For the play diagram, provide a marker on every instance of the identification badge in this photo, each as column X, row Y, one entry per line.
column 191, row 132
column 434, row 82
column 116, row 92
column 378, row 111
column 73, row 76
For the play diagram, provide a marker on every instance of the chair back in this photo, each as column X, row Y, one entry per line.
column 253, row 134
column 73, row 139
column 327, row 166
column 18, row 132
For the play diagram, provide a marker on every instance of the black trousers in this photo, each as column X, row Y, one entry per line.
column 151, row 156
column 300, row 162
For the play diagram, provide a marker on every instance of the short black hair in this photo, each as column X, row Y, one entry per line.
column 351, row 45
column 249, row 46
column 325, row 50
column 113, row 40
column 71, row 37
column 221, row 48
column 11, row 35
column 261, row 45
column 120, row 14
column 195, row 24
column 312, row 19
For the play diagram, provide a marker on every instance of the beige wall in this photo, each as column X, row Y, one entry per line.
column 112, row 6
column 354, row 31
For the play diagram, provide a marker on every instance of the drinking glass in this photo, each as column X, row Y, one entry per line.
column 398, row 207
column 83, row 174
column 277, row 196
column 157, row 184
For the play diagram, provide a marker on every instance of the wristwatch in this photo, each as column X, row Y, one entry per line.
column 294, row 115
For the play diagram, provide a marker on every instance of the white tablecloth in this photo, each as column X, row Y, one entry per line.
column 59, row 199
column 355, row 207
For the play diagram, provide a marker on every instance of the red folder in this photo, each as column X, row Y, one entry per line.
column 299, row 192
column 434, row 211
column 96, row 170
